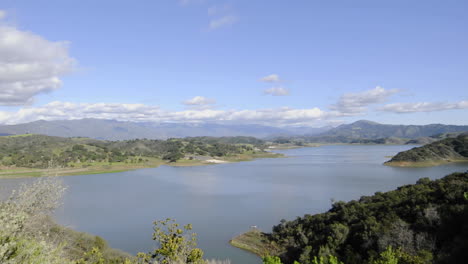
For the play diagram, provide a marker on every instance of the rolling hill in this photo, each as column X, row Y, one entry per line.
column 442, row 151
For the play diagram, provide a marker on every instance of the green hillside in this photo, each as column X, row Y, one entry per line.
column 83, row 155
column 442, row 151
column 424, row 223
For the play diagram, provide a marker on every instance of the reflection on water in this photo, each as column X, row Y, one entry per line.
column 224, row 200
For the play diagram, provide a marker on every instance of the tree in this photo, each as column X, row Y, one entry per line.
column 176, row 245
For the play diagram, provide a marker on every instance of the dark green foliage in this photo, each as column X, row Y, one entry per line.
column 445, row 149
column 38, row 151
column 424, row 221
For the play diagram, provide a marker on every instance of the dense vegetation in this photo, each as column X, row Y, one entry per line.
column 449, row 149
column 422, row 223
column 39, row 151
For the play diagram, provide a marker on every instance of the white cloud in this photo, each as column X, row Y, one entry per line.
column 271, row 78
column 198, row 101
column 423, row 107
column 276, row 91
column 29, row 65
column 356, row 103
column 140, row 112
column 2, row 14
column 222, row 22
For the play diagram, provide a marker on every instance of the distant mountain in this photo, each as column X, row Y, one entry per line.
column 445, row 150
column 373, row 130
column 364, row 130
column 118, row 130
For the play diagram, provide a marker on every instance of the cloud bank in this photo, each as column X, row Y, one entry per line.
column 139, row 112
column 356, row 103
column 29, row 65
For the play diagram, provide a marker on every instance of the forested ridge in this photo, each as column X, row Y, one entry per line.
column 449, row 149
column 425, row 223
column 39, row 151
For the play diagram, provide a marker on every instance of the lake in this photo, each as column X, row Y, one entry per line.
column 222, row 201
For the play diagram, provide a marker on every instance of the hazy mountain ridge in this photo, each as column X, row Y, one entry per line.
column 368, row 132
column 373, row 130
column 122, row 130
column 358, row 132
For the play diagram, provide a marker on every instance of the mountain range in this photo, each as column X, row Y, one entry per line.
column 121, row 130
column 364, row 131
column 357, row 132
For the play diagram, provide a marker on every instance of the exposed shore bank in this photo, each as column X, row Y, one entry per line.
column 104, row 167
column 422, row 164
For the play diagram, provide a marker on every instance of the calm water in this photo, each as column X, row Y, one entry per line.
column 224, row 200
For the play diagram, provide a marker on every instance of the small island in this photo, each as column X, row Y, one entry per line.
column 440, row 152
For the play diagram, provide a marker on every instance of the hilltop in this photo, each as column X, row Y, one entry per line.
column 442, row 151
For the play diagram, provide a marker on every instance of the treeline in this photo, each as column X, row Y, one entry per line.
column 424, row 223
column 344, row 138
column 39, row 151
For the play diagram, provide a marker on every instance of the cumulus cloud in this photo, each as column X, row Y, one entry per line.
column 356, row 103
column 276, row 91
column 199, row 101
column 29, row 65
column 140, row 112
column 272, row 78
column 222, row 22
column 423, row 107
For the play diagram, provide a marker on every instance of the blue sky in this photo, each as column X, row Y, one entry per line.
column 268, row 62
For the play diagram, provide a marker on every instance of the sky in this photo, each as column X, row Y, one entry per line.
column 269, row 62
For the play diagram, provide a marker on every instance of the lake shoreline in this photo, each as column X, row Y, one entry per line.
column 253, row 241
column 11, row 173
column 23, row 172
column 421, row 164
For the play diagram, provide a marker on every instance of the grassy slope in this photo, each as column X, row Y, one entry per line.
column 433, row 154
column 256, row 242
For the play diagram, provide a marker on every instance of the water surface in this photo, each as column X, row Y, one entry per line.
column 224, row 200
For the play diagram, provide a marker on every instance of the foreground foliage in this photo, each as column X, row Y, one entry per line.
column 422, row 223
column 28, row 235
